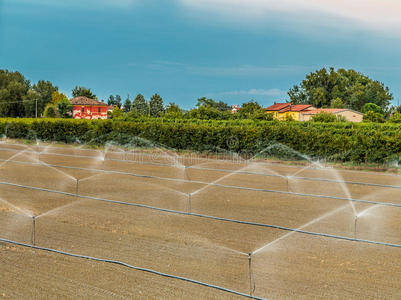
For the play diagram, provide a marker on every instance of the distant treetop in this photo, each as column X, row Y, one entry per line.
column 348, row 88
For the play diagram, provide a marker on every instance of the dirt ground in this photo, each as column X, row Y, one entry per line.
column 284, row 265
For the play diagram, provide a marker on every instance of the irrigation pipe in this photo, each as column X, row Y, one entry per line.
column 338, row 237
column 213, row 184
column 116, row 262
column 218, row 170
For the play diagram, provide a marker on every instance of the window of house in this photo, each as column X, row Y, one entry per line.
column 98, row 110
column 83, row 110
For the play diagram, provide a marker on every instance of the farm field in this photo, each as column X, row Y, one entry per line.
column 263, row 229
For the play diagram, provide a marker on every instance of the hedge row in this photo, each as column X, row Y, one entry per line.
column 379, row 143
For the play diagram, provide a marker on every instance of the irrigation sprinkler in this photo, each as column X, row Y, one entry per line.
column 186, row 173
column 77, row 187
column 252, row 286
column 288, row 183
column 33, row 230
column 189, row 203
column 355, row 226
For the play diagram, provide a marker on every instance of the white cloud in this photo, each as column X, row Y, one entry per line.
column 254, row 92
column 240, row 70
column 377, row 15
column 91, row 4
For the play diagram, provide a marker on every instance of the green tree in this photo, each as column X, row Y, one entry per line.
column 13, row 89
column 84, row 92
column 118, row 101
column 395, row 118
column 252, row 110
column 57, row 96
column 173, row 111
column 372, row 116
column 324, row 117
column 117, row 113
column 322, row 87
column 372, row 107
column 337, row 103
column 50, row 111
column 205, row 113
column 127, row 105
column 220, row 106
column 156, row 107
column 31, row 99
column 64, row 108
column 140, row 106
column 111, row 100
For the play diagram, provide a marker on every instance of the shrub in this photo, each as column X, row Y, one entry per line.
column 51, row 111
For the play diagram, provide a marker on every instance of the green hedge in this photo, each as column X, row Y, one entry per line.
column 364, row 142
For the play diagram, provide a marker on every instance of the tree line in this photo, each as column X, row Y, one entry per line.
column 323, row 89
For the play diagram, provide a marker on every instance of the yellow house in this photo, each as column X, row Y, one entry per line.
column 285, row 111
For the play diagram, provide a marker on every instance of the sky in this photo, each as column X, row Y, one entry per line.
column 229, row 50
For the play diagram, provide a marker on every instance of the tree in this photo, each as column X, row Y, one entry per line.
column 372, row 107
column 337, row 103
column 13, row 89
column 57, row 96
column 117, row 112
column 205, row 113
column 111, row 100
column 324, row 117
column 84, row 92
column 31, row 99
column 156, row 107
column 220, row 106
column 322, row 87
column 173, row 111
column 140, row 106
column 395, row 118
column 118, row 101
column 64, row 108
column 127, row 105
column 372, row 116
column 45, row 89
column 253, row 110
column 50, row 111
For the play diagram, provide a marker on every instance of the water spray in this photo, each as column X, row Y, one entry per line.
column 252, row 286
column 33, row 230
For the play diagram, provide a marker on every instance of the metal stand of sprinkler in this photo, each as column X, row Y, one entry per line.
column 355, row 226
column 251, row 279
column 186, row 173
column 189, row 203
column 76, row 186
column 33, row 230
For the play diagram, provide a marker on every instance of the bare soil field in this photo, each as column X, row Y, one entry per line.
column 267, row 230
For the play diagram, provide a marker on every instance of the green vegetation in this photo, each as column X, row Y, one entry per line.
column 353, row 89
column 339, row 141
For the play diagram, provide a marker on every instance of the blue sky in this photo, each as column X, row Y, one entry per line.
column 230, row 50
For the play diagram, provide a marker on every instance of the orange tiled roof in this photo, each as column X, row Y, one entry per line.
column 86, row 101
column 297, row 107
column 278, row 106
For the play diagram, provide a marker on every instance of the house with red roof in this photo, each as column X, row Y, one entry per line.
column 86, row 108
column 285, row 111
